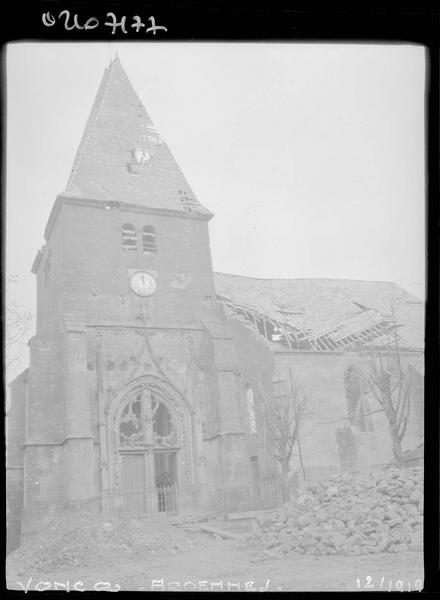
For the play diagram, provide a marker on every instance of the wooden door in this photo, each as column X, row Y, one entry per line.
column 133, row 483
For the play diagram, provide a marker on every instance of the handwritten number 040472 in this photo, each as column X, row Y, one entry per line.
column 93, row 22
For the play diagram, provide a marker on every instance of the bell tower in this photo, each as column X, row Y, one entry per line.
column 127, row 217
column 128, row 326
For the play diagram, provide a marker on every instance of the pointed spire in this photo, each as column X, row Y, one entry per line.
column 121, row 156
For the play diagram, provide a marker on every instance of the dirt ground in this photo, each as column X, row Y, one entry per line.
column 219, row 564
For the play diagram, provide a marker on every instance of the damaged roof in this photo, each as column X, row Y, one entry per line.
column 316, row 313
column 122, row 157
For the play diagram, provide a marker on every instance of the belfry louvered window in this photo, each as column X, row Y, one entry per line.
column 129, row 237
column 188, row 202
column 149, row 239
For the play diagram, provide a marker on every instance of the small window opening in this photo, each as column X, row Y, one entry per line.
column 152, row 135
column 129, row 238
column 187, row 201
column 140, row 155
column 149, row 239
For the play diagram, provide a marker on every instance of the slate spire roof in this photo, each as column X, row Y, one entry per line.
column 121, row 156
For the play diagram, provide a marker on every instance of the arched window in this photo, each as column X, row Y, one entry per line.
column 251, row 409
column 128, row 237
column 149, row 239
column 132, row 424
column 164, row 429
column 358, row 405
column 144, row 418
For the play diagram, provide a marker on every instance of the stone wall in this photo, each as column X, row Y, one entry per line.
column 96, row 270
column 322, row 376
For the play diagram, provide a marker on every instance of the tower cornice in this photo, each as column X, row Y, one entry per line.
column 116, row 205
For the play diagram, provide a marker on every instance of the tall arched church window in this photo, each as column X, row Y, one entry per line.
column 250, row 405
column 149, row 239
column 358, row 404
column 128, row 237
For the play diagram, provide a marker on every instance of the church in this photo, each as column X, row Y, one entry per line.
column 148, row 370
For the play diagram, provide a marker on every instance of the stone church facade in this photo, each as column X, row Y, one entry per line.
column 147, row 367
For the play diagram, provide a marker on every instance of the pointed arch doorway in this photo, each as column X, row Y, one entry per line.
column 147, row 435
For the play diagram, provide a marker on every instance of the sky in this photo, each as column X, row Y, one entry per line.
column 311, row 156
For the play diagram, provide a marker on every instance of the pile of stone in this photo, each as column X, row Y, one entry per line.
column 82, row 539
column 381, row 511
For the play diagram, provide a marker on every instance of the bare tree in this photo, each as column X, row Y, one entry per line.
column 388, row 380
column 17, row 326
column 280, row 418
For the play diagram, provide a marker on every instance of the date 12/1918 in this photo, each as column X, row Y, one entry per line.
column 389, row 585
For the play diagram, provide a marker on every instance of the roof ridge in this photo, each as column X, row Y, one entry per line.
column 310, row 279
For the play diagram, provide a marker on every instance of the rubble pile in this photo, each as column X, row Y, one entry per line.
column 346, row 514
column 82, row 539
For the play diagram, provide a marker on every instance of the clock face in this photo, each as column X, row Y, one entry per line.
column 143, row 284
